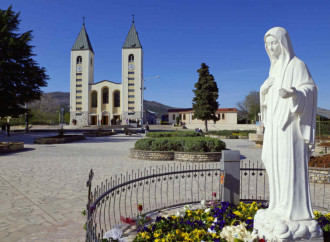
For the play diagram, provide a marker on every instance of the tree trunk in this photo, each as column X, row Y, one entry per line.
column 206, row 130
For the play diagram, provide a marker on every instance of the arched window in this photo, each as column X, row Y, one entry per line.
column 131, row 58
column 94, row 99
column 184, row 116
column 91, row 61
column 223, row 116
column 79, row 59
column 105, row 95
column 116, row 99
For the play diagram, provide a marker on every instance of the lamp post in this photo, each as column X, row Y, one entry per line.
column 142, row 89
column 62, row 109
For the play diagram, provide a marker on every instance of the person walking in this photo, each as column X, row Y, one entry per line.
column 8, row 129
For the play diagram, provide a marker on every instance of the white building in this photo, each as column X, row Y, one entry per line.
column 105, row 102
column 225, row 115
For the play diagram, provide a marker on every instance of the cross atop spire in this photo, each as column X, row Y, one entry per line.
column 132, row 39
column 133, row 18
column 82, row 41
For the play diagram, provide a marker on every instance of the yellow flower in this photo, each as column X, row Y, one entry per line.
column 249, row 217
column 199, row 212
column 157, row 240
column 177, row 231
column 157, row 233
column 210, row 219
column 145, row 235
column 214, row 235
column 239, row 214
column 170, row 237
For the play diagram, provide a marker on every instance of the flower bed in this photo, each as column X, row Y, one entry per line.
column 60, row 139
column 224, row 222
column 320, row 161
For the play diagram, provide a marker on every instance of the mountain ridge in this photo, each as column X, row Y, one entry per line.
column 53, row 101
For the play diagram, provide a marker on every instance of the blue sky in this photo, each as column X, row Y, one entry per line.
column 177, row 36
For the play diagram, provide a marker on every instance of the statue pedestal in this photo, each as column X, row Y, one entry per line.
column 271, row 227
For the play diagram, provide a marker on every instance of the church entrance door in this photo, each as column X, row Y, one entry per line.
column 105, row 120
column 94, row 120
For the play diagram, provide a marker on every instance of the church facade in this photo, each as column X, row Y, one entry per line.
column 105, row 102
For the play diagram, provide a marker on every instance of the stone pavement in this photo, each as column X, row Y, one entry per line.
column 43, row 188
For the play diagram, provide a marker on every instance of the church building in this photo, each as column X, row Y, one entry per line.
column 105, row 102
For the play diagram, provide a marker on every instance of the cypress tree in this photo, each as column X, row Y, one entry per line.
column 20, row 75
column 205, row 102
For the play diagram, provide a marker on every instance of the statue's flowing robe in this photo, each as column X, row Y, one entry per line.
column 289, row 136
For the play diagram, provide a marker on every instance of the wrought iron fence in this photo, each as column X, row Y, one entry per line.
column 319, row 181
column 253, row 182
column 156, row 188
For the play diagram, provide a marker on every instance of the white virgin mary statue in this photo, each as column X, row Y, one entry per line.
column 288, row 110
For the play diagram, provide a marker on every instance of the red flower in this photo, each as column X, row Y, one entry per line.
column 262, row 240
column 214, row 194
column 128, row 220
column 139, row 207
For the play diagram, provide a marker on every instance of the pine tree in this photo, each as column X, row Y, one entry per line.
column 20, row 76
column 205, row 102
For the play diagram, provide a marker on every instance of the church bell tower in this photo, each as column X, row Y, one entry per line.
column 82, row 74
column 132, row 76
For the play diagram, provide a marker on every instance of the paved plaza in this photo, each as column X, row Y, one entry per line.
column 43, row 188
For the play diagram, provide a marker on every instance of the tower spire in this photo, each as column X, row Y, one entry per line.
column 84, row 20
column 133, row 18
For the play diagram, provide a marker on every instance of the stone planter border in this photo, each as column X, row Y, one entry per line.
column 177, row 156
column 227, row 136
column 6, row 147
column 59, row 140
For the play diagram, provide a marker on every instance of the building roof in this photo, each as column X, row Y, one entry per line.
column 104, row 81
column 178, row 110
column 323, row 112
column 132, row 39
column 82, row 41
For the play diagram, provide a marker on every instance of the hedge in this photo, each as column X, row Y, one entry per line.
column 182, row 144
column 231, row 132
column 174, row 134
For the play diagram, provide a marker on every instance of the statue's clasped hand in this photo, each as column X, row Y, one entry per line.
column 284, row 93
column 267, row 84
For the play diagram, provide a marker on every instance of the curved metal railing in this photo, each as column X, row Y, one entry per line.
column 156, row 188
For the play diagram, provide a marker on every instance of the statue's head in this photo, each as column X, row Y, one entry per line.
column 273, row 46
column 278, row 44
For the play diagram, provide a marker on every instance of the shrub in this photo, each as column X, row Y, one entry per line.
column 182, row 144
column 174, row 134
column 232, row 132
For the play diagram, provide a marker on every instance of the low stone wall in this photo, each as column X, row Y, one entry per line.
column 227, row 136
column 319, row 175
column 6, row 147
column 59, row 139
column 197, row 157
column 223, row 126
column 151, row 155
column 98, row 134
column 178, row 156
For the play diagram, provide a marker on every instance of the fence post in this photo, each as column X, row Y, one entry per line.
column 230, row 164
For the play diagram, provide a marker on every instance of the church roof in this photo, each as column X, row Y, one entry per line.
column 132, row 39
column 82, row 41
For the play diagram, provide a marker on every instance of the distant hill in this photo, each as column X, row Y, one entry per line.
column 51, row 102
column 156, row 107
